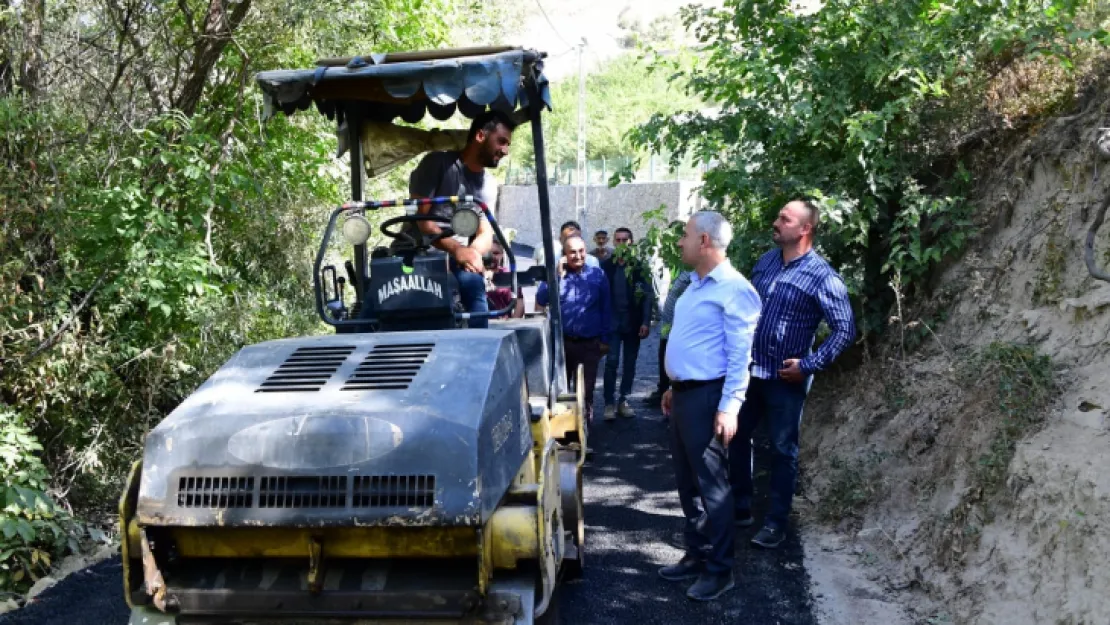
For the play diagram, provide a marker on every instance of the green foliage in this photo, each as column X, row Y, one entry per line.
column 622, row 93
column 33, row 529
column 852, row 484
column 846, row 104
column 1023, row 384
column 140, row 247
column 637, row 267
column 661, row 240
column 1018, row 384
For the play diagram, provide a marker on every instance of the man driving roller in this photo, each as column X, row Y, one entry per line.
column 462, row 173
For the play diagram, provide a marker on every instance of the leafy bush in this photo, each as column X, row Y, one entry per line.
column 33, row 529
column 852, row 484
column 143, row 242
column 1025, row 382
column 852, row 105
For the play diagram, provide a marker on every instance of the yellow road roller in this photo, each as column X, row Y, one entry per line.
column 405, row 468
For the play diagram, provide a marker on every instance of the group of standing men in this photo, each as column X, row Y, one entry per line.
column 606, row 299
column 740, row 352
column 736, row 352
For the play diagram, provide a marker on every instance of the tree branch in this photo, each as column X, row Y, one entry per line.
column 50, row 342
column 219, row 26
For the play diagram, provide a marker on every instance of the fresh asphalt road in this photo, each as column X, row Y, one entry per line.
column 632, row 524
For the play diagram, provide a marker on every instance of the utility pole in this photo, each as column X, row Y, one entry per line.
column 580, row 209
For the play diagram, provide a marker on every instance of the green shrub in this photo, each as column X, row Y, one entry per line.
column 1024, row 384
column 33, row 529
column 864, row 106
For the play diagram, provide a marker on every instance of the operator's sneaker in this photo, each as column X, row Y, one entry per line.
column 610, row 412
column 710, row 586
column 686, row 568
column 625, row 410
column 744, row 518
column 769, row 537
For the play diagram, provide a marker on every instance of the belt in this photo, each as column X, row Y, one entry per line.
column 580, row 339
column 688, row 385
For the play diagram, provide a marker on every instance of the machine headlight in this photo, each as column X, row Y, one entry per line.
column 356, row 230
column 465, row 222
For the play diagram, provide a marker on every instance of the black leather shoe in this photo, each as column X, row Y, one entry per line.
column 744, row 518
column 769, row 537
column 687, row 568
column 710, row 586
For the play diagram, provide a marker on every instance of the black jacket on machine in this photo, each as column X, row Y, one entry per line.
column 638, row 311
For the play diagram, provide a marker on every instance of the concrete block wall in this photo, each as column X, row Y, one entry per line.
column 606, row 208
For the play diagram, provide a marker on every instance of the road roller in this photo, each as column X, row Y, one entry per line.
column 400, row 467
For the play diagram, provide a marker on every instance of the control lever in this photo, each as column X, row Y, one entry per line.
column 350, row 267
column 333, row 300
column 340, row 283
column 356, row 306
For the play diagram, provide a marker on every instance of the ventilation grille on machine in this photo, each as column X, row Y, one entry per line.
column 308, row 369
column 389, row 367
column 320, row 491
column 215, row 492
column 313, row 491
column 388, row 491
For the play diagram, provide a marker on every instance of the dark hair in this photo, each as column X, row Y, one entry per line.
column 488, row 122
column 570, row 224
column 601, row 232
column 623, row 229
column 814, row 211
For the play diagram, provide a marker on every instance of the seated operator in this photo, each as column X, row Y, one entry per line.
column 462, row 173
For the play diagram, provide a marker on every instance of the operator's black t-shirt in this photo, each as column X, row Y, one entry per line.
column 444, row 174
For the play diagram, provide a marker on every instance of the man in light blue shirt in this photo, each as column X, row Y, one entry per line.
column 707, row 358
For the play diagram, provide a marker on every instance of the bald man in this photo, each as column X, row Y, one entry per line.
column 586, row 308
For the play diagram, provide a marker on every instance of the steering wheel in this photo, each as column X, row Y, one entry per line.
column 444, row 224
column 412, row 244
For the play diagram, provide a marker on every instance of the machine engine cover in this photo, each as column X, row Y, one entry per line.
column 408, row 428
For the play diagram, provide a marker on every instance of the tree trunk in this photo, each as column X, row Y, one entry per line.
column 219, row 26
column 6, row 81
column 30, row 74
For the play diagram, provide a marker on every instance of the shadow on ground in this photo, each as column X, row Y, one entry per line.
column 633, row 522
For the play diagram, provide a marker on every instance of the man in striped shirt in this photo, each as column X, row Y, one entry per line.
column 798, row 288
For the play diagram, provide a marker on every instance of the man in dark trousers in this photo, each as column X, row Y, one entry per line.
column 798, row 289
column 707, row 358
column 464, row 173
column 633, row 297
column 587, row 317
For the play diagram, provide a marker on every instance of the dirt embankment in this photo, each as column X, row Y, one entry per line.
column 967, row 480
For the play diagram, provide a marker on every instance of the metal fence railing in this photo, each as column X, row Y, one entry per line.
column 654, row 168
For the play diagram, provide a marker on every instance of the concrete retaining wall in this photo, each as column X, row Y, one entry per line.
column 606, row 208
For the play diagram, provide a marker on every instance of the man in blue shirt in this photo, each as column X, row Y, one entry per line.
column 567, row 230
column 798, row 289
column 707, row 359
column 587, row 315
